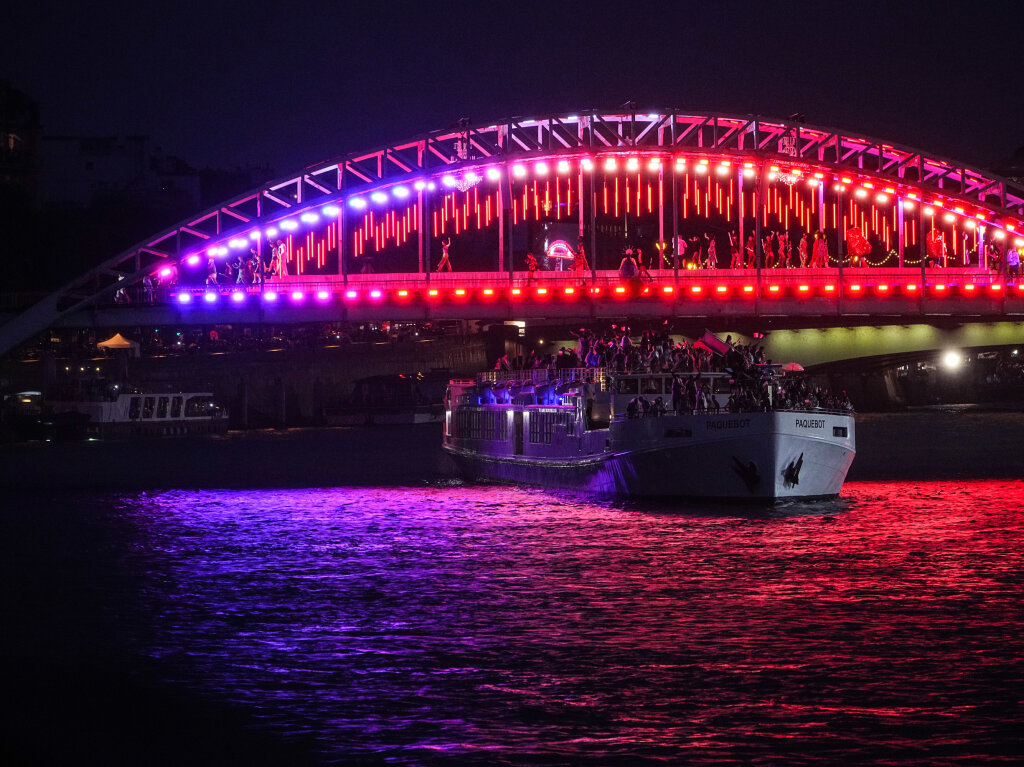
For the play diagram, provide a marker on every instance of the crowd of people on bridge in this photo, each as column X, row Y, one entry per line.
column 249, row 269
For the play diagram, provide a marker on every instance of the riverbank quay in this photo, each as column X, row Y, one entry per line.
column 948, row 443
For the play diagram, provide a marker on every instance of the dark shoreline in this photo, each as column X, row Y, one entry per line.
column 934, row 444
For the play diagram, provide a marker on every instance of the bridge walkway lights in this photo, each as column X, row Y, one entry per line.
column 470, row 288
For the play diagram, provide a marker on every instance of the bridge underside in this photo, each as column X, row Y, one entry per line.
column 871, row 347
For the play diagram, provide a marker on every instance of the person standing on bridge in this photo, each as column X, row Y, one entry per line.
column 282, row 259
column 531, row 267
column 579, row 263
column 1012, row 263
column 736, row 259
column 445, row 262
column 819, row 256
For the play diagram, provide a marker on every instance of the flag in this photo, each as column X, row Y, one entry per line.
column 714, row 343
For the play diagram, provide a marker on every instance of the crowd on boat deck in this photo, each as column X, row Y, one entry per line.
column 754, row 385
column 654, row 352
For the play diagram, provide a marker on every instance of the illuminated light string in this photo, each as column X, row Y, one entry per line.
column 704, row 194
column 694, row 291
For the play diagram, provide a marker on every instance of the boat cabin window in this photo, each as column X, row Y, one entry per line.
column 651, row 386
column 198, row 407
column 161, row 407
column 147, row 407
column 176, row 407
column 134, row 408
column 627, row 386
column 543, row 423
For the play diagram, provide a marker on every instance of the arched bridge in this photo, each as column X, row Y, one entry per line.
column 732, row 217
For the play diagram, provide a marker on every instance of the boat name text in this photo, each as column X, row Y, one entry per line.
column 737, row 423
column 810, row 423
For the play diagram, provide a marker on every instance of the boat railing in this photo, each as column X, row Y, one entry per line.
column 655, row 413
column 545, row 375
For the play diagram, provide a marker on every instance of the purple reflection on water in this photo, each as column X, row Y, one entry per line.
column 502, row 625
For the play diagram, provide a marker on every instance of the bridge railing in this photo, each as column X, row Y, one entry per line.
column 334, row 284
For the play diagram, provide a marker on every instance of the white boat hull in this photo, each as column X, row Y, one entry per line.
column 746, row 456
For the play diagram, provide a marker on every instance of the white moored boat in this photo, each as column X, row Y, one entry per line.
column 143, row 414
column 591, row 430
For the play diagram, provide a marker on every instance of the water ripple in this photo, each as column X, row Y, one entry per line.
column 494, row 625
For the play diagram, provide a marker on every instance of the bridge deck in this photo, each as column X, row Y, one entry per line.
column 788, row 297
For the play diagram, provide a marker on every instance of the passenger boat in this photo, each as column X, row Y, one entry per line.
column 118, row 415
column 588, row 429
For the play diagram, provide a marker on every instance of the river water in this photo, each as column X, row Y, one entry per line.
column 451, row 624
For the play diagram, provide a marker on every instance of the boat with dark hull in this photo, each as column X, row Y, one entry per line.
column 590, row 430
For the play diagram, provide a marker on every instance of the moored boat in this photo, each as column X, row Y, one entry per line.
column 120, row 415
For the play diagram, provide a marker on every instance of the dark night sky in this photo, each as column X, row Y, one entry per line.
column 228, row 84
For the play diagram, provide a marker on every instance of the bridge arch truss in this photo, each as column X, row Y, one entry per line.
column 607, row 177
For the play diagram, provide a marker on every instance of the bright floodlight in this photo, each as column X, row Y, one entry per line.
column 238, row 296
column 192, row 260
column 448, row 180
column 493, row 174
column 357, row 202
column 950, row 217
column 322, row 295
column 401, row 192
column 272, row 232
column 165, row 272
column 610, row 164
column 471, row 177
column 654, row 163
column 331, row 210
column 518, row 170
column 309, row 218
column 254, row 235
column 297, row 295
column 952, row 360
column 563, row 166
column 419, row 186
column 209, row 297
column 289, row 225
column 184, row 298
column 238, row 242
column 541, row 168
column 379, row 197
column 270, row 296
column 588, row 164
column 632, row 163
